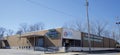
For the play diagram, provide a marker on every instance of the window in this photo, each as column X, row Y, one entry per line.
column 40, row 42
column 71, row 43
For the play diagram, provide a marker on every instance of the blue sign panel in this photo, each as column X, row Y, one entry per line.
column 52, row 33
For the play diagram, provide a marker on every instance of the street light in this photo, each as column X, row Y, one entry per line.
column 117, row 22
column 118, row 27
column 88, row 24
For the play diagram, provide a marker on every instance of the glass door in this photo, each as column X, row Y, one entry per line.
column 40, row 42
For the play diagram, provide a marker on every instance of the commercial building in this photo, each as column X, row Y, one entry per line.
column 59, row 39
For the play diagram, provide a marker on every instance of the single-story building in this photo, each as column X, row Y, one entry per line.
column 59, row 39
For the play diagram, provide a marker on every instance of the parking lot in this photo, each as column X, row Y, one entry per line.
column 31, row 52
column 104, row 53
column 19, row 52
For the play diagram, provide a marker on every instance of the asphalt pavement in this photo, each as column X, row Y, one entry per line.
column 31, row 52
column 108, row 52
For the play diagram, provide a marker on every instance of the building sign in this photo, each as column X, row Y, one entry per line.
column 71, row 34
column 68, row 34
column 52, row 33
column 93, row 38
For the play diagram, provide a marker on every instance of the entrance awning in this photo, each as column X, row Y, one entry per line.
column 29, row 36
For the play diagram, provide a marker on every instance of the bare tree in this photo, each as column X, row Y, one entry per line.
column 100, row 28
column 92, row 29
column 77, row 25
column 2, row 31
column 116, row 36
column 28, row 28
column 23, row 28
column 36, row 27
column 9, row 32
column 68, row 25
column 107, row 33
column 19, row 32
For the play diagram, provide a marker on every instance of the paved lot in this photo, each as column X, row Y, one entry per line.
column 69, row 53
column 31, row 52
column 19, row 52
column 105, row 53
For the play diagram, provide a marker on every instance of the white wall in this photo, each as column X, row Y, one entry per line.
column 71, row 34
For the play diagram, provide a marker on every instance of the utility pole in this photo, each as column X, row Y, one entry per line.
column 118, row 23
column 88, row 24
column 114, row 37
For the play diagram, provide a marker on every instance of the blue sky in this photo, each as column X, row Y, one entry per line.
column 15, row 12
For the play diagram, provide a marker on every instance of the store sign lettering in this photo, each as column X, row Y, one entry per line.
column 52, row 33
column 67, row 34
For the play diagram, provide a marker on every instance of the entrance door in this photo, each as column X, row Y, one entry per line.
column 40, row 42
column 6, row 44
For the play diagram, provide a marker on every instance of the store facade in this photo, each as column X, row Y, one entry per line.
column 59, row 39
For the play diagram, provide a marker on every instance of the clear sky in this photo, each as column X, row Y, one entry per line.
column 14, row 12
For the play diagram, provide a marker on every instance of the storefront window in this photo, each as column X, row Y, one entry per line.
column 71, row 43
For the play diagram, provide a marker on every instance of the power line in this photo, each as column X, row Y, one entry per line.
column 52, row 9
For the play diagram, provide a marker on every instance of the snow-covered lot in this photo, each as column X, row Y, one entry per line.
column 19, row 52
column 31, row 52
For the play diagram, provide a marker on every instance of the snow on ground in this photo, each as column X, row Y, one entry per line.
column 31, row 52
column 19, row 52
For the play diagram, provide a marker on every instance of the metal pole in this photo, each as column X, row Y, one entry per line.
column 113, row 32
column 114, row 38
column 118, row 23
column 89, row 41
column 34, row 43
column 119, row 28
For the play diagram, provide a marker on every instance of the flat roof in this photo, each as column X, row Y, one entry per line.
column 29, row 36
